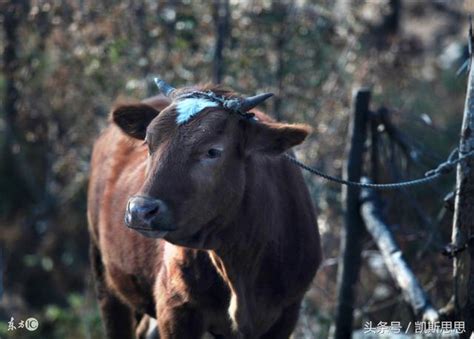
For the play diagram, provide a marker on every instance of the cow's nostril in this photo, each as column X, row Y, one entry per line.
column 151, row 213
column 148, row 214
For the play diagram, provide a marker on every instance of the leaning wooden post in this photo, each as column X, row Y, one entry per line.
column 353, row 230
column 392, row 255
column 463, row 222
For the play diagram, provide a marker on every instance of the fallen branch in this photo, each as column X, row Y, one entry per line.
column 412, row 291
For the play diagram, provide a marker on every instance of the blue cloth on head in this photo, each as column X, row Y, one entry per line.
column 189, row 107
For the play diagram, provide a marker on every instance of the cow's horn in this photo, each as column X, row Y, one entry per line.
column 250, row 102
column 164, row 87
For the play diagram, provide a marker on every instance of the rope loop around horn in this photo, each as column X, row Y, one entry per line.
column 241, row 105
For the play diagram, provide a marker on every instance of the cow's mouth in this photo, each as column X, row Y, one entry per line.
column 155, row 231
column 155, row 234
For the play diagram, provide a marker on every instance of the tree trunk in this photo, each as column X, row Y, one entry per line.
column 282, row 12
column 221, row 14
column 463, row 222
column 17, row 182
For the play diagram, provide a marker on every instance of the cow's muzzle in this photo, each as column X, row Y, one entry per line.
column 148, row 216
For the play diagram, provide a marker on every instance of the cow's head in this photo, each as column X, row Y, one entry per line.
column 199, row 148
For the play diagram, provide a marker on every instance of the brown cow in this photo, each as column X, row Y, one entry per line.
column 197, row 220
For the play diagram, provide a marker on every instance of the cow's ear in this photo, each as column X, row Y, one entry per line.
column 133, row 119
column 273, row 138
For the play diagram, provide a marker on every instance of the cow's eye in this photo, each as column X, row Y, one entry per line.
column 150, row 149
column 214, row 153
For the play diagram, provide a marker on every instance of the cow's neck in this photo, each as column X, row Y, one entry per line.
column 251, row 241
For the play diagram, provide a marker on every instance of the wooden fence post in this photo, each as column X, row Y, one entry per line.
column 463, row 222
column 353, row 230
column 374, row 146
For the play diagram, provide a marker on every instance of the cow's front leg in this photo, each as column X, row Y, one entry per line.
column 180, row 322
